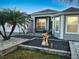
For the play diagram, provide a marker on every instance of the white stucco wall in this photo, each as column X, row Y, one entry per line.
column 30, row 26
column 59, row 34
column 56, row 34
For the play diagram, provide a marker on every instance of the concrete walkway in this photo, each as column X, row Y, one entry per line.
column 12, row 42
column 74, row 46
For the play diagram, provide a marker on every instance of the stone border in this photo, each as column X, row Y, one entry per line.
column 74, row 54
column 48, row 50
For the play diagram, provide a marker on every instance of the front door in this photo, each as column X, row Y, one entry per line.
column 50, row 25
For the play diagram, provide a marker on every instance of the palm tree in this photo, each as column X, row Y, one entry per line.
column 13, row 18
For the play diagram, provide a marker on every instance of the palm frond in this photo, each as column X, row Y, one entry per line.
column 13, row 18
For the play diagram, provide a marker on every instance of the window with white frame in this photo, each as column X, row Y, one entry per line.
column 71, row 23
column 57, row 23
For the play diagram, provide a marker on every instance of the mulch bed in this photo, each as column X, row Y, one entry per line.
column 53, row 44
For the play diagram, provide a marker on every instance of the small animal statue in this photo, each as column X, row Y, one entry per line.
column 45, row 39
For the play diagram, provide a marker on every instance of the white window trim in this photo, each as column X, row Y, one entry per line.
column 47, row 24
column 59, row 25
column 77, row 28
column 78, row 24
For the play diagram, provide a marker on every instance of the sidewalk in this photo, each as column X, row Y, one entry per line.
column 12, row 42
column 74, row 46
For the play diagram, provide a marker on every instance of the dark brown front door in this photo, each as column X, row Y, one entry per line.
column 50, row 25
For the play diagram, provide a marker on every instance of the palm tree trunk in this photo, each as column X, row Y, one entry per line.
column 4, row 30
column 5, row 36
column 1, row 34
column 12, row 31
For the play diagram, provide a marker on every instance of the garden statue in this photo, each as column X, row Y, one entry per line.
column 45, row 39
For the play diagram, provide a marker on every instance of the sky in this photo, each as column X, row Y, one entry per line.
column 30, row 6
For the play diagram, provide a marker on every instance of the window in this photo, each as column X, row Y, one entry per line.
column 40, row 24
column 72, row 23
column 57, row 23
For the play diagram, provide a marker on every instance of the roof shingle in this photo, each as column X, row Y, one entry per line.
column 71, row 9
column 45, row 11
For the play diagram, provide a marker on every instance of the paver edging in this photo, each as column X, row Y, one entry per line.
column 73, row 50
column 53, row 51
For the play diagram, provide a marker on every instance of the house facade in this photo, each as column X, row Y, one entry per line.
column 62, row 24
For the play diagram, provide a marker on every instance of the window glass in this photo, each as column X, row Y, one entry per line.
column 57, row 19
column 40, row 24
column 72, row 23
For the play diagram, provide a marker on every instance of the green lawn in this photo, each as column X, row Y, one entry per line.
column 28, row 54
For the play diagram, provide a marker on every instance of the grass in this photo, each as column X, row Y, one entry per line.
column 29, row 54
